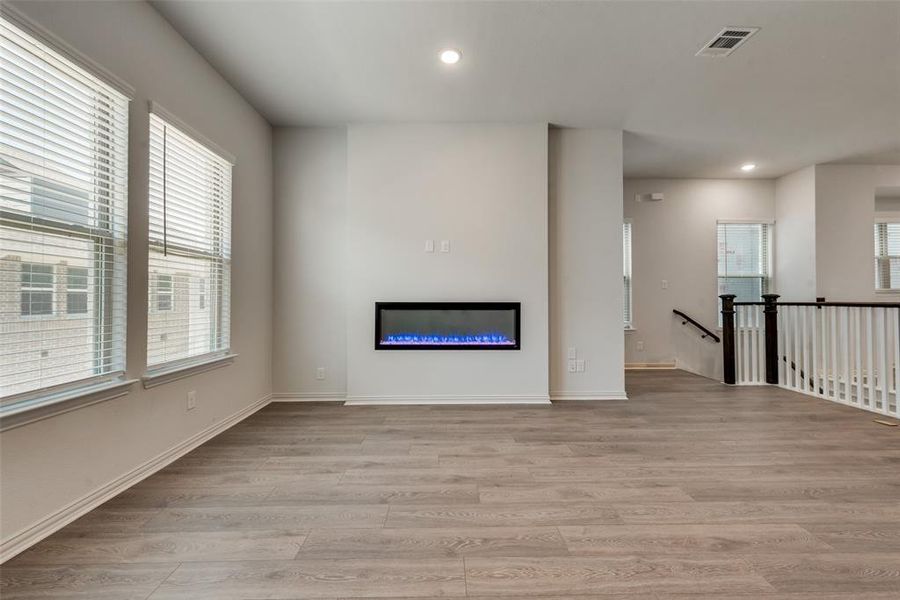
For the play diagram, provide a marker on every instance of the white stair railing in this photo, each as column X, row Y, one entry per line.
column 843, row 352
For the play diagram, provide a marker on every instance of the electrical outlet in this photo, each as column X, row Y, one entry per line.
column 445, row 245
column 579, row 366
column 429, row 245
column 640, row 346
column 320, row 373
column 573, row 352
column 571, row 366
column 665, row 284
column 192, row 400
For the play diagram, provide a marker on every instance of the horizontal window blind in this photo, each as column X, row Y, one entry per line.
column 190, row 248
column 744, row 260
column 63, row 220
column 887, row 256
column 626, row 255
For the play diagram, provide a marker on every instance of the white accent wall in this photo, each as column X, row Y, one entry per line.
column 53, row 466
column 674, row 240
column 483, row 188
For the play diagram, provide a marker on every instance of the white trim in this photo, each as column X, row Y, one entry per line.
column 650, row 366
column 24, row 539
column 309, row 397
column 23, row 412
column 587, row 396
column 67, row 51
column 161, row 111
column 745, row 221
column 445, row 399
column 180, row 371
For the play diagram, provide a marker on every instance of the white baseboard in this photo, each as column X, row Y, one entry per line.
column 669, row 366
column 308, row 397
column 444, row 399
column 588, row 396
column 26, row 538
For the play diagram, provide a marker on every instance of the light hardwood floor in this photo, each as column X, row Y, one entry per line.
column 689, row 490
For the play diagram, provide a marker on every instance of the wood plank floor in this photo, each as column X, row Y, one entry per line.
column 689, row 490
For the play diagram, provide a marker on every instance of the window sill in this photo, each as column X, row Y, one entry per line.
column 35, row 409
column 630, row 328
column 167, row 374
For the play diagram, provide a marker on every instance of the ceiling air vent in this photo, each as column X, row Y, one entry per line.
column 727, row 41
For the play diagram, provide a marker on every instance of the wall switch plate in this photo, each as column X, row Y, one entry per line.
column 665, row 284
column 573, row 352
column 429, row 245
column 579, row 366
column 445, row 245
column 571, row 366
column 640, row 346
column 320, row 373
column 192, row 400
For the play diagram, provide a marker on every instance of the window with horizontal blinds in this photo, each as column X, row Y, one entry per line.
column 887, row 256
column 63, row 220
column 744, row 259
column 190, row 249
column 626, row 256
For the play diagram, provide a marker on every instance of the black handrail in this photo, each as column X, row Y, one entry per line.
column 687, row 319
column 846, row 304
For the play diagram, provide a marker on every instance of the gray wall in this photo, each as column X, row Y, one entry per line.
column 586, row 262
column 311, row 262
column 484, row 188
column 845, row 214
column 675, row 240
column 795, row 236
column 53, row 463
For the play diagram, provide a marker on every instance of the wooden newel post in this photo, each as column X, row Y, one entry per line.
column 728, row 369
column 771, row 313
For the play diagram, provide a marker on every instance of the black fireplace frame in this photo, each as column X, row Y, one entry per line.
column 516, row 307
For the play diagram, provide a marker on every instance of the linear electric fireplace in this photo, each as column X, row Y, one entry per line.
column 447, row 325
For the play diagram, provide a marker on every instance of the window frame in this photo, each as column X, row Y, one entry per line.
column 27, row 406
column 628, row 272
column 32, row 289
column 158, row 294
column 162, row 372
column 767, row 283
column 878, row 258
column 78, row 290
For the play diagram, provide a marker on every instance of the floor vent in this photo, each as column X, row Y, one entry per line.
column 727, row 41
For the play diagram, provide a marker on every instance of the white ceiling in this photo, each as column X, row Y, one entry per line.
column 819, row 83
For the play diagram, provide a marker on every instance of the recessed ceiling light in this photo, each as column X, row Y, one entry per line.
column 450, row 56
column 748, row 167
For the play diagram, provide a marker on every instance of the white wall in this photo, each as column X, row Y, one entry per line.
column 845, row 213
column 586, row 262
column 675, row 240
column 795, row 236
column 51, row 463
column 311, row 262
column 483, row 188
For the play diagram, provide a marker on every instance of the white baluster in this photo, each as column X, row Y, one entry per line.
column 859, row 358
column 895, row 333
column 883, row 356
column 832, row 317
column 845, row 353
column 870, row 366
